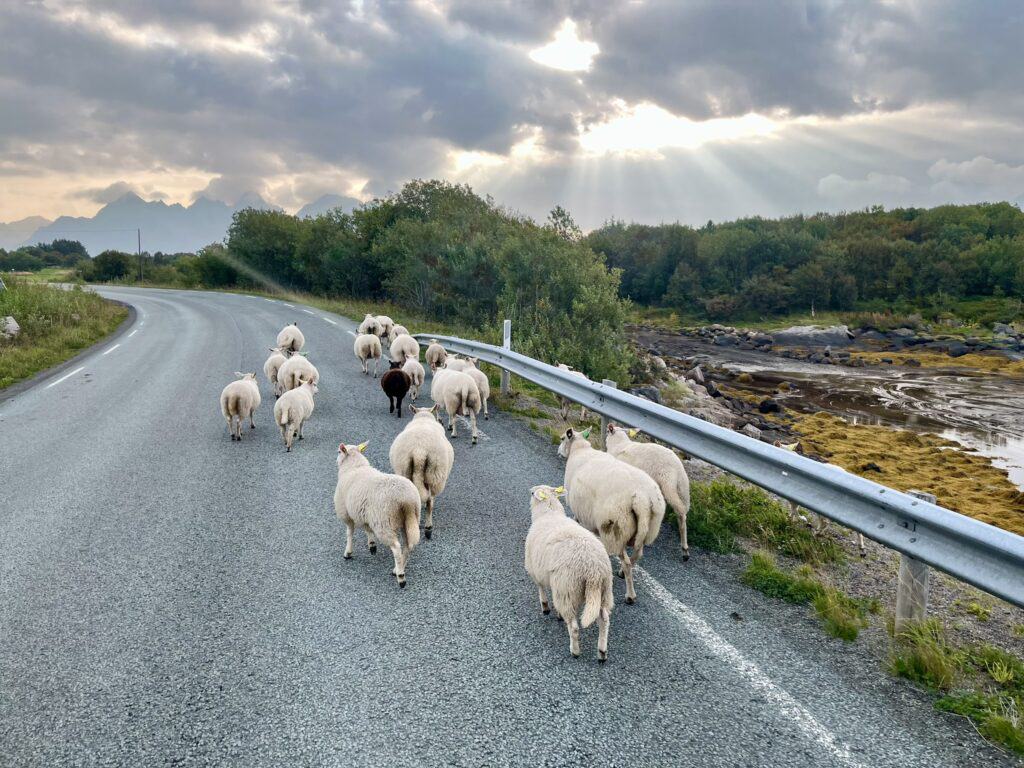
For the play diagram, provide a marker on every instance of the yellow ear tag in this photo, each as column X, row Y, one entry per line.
column 634, row 432
column 542, row 496
column 362, row 447
column 560, row 491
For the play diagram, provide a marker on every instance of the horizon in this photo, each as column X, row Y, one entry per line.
column 647, row 112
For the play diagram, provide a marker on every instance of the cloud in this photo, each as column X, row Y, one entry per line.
column 981, row 172
column 109, row 193
column 875, row 188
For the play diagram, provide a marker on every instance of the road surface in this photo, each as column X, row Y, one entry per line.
column 169, row 596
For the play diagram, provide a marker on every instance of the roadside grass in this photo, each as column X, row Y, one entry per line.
column 49, row 275
column 55, row 324
column 981, row 682
column 842, row 616
column 722, row 510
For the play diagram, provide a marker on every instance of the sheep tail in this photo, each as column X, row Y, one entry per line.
column 283, row 418
column 412, row 525
column 642, row 512
column 419, row 477
column 460, row 404
column 594, row 598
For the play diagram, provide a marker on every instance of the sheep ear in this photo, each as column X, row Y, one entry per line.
column 634, row 432
column 362, row 446
column 560, row 490
column 611, row 427
column 239, row 375
column 342, row 448
column 586, row 433
column 435, row 407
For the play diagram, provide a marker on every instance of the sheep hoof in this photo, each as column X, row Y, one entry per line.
column 288, row 450
column 575, row 654
column 558, row 616
column 373, row 549
column 863, row 553
column 545, row 611
column 630, row 600
column 621, row 574
column 348, row 555
column 602, row 657
column 427, row 532
column 401, row 582
column 686, row 554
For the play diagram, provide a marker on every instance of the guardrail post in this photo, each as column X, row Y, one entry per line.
column 506, row 343
column 603, row 439
column 912, row 587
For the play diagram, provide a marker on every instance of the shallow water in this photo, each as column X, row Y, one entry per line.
column 980, row 410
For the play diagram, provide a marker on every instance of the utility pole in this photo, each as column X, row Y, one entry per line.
column 139, row 233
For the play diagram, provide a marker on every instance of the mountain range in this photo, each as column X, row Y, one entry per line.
column 168, row 228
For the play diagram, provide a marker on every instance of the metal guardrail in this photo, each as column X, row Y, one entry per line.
column 980, row 554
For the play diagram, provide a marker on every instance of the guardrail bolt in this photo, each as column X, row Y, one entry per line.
column 506, row 342
column 912, row 587
column 603, row 439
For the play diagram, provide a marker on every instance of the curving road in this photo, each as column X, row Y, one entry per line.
column 170, row 597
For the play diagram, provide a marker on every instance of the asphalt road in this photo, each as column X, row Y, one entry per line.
column 168, row 596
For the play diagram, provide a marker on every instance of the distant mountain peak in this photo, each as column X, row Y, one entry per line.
column 326, row 203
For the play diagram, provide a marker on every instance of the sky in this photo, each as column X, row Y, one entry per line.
column 649, row 111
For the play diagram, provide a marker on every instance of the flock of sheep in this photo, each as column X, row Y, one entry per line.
column 618, row 497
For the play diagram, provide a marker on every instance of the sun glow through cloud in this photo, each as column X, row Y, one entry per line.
column 567, row 51
column 646, row 128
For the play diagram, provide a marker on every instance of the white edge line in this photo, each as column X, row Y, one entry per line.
column 728, row 653
column 65, row 376
column 107, row 352
column 266, row 299
column 290, row 306
column 133, row 333
column 309, row 311
column 330, row 321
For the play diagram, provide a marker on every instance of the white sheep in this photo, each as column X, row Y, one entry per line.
column 403, row 348
column 416, row 375
column 367, row 346
column 483, row 384
column 564, row 557
column 383, row 505
column 422, row 453
column 293, row 409
column 386, row 324
column 291, row 338
column 618, row 502
column 397, row 330
column 663, row 465
column 369, row 325
column 456, row 393
column 435, row 355
column 564, row 404
column 239, row 400
column 272, row 366
column 292, row 369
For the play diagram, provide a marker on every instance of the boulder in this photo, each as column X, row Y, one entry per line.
column 695, row 374
column 9, row 328
column 911, row 362
column 957, row 349
column 769, row 406
column 813, row 336
column 725, row 340
column 658, row 363
column 1004, row 329
column 903, row 333
column 751, row 431
column 648, row 393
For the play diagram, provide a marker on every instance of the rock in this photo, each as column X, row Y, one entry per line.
column 648, row 393
column 712, row 389
column 813, row 336
column 911, row 362
column 903, row 332
column 761, row 339
column 10, row 328
column 957, row 349
column 870, row 467
column 887, row 360
column 695, row 374
column 828, row 351
column 1003, row 328
column 769, row 406
column 751, row 431
column 658, row 363
column 725, row 340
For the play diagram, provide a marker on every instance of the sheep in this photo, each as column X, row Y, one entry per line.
column 563, row 403
column 435, row 355
column 293, row 409
column 238, row 400
column 615, row 500
column 817, row 523
column 483, row 384
column 397, row 330
column 457, row 393
column 367, row 345
column 386, row 324
column 383, row 505
column 663, row 465
column 395, row 382
column 277, row 358
column 403, row 348
column 416, row 375
column 291, row 338
column 564, row 557
column 292, row 369
column 369, row 325
column 422, row 453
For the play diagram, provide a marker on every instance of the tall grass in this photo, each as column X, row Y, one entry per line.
column 55, row 324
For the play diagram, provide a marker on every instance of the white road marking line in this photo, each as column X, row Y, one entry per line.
column 290, row 306
column 270, row 300
column 111, row 350
column 133, row 333
column 65, row 376
column 309, row 311
column 728, row 653
column 142, row 323
column 330, row 321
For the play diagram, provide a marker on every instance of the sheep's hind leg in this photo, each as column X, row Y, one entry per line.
column 349, row 531
column 472, row 423
column 573, row 626
column 371, row 542
column 543, row 595
column 627, row 570
column 396, row 550
column 428, row 525
column 252, row 419
column 603, row 622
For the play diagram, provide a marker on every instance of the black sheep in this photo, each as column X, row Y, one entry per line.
column 395, row 382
